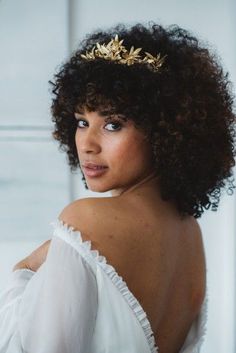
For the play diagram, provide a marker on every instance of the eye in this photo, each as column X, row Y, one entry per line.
column 80, row 120
column 116, row 124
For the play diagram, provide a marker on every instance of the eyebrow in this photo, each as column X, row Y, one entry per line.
column 77, row 114
column 106, row 117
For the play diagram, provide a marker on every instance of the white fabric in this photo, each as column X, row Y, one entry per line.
column 77, row 303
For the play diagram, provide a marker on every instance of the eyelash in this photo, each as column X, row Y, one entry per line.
column 111, row 122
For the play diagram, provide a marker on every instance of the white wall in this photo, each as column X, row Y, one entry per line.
column 34, row 178
column 35, row 37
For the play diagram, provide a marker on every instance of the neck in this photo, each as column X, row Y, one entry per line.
column 136, row 186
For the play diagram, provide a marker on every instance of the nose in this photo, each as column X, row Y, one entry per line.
column 88, row 142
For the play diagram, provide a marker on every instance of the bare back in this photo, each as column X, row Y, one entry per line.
column 160, row 257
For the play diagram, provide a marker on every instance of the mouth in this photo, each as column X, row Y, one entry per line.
column 95, row 171
column 93, row 166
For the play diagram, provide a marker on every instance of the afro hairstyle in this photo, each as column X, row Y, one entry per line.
column 186, row 109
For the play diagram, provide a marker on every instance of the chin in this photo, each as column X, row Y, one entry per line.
column 97, row 188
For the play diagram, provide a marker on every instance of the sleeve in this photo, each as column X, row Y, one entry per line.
column 59, row 308
column 10, row 298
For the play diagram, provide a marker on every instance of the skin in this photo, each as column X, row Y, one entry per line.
column 123, row 149
column 131, row 179
column 35, row 259
column 126, row 152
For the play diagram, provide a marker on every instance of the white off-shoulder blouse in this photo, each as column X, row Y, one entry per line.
column 77, row 303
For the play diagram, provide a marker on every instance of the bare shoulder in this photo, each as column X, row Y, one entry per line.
column 103, row 221
column 93, row 216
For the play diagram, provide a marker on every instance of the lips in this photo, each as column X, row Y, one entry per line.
column 91, row 165
column 94, row 170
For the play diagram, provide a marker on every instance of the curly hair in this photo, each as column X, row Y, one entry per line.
column 186, row 109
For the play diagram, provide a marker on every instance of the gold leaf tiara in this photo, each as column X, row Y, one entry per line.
column 117, row 52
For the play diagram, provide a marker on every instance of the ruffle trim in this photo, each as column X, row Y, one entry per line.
column 76, row 241
column 75, row 237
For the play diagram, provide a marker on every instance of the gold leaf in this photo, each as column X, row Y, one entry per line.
column 115, row 51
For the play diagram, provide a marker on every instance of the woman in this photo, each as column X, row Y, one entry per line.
column 146, row 113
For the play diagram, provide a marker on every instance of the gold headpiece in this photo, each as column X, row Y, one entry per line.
column 115, row 51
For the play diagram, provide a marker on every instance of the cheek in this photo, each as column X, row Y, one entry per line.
column 133, row 151
column 116, row 150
